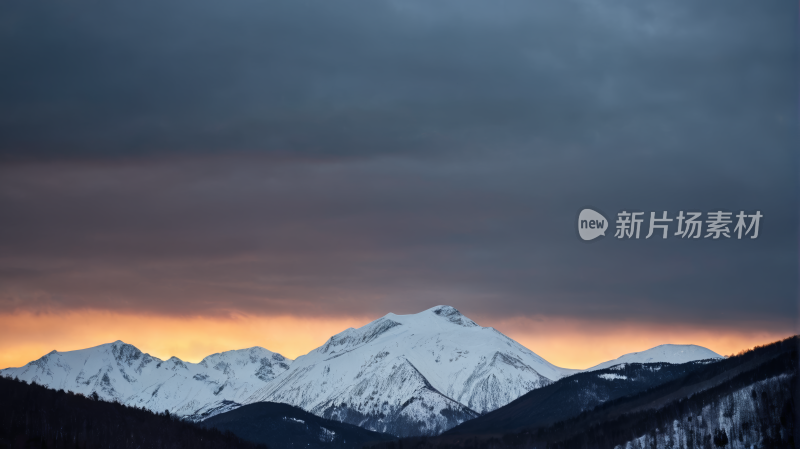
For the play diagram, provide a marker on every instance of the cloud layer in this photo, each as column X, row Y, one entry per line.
column 352, row 158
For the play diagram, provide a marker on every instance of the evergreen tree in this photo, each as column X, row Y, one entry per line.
column 720, row 438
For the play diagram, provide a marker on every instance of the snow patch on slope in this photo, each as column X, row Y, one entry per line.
column 612, row 376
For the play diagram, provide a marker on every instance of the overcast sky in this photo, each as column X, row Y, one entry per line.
column 364, row 157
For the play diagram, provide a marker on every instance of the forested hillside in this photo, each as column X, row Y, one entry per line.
column 32, row 416
column 282, row 426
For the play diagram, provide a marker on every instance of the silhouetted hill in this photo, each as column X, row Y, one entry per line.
column 282, row 426
column 35, row 416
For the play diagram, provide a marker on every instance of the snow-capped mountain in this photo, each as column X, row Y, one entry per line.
column 415, row 374
column 664, row 353
column 120, row 372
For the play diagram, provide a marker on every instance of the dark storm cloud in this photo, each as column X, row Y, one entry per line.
column 384, row 156
column 349, row 78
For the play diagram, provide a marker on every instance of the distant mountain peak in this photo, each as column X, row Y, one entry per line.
column 448, row 313
column 452, row 315
column 444, row 309
column 668, row 353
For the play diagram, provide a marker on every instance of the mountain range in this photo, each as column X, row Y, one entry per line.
column 120, row 372
column 405, row 375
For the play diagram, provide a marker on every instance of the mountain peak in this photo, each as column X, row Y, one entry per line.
column 452, row 315
column 669, row 353
column 444, row 309
column 412, row 374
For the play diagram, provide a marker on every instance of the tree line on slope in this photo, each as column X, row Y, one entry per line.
column 761, row 414
column 33, row 416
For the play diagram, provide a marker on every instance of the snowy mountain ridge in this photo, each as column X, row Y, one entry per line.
column 121, row 372
column 416, row 374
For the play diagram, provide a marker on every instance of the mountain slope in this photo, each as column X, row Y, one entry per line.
column 751, row 397
column 415, row 374
column 571, row 396
column 120, row 372
column 663, row 353
column 282, row 426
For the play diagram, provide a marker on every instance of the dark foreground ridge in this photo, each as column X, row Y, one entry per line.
column 282, row 426
column 747, row 400
column 32, row 416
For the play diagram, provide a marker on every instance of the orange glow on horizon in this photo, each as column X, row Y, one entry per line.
column 568, row 343
column 581, row 344
column 25, row 337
